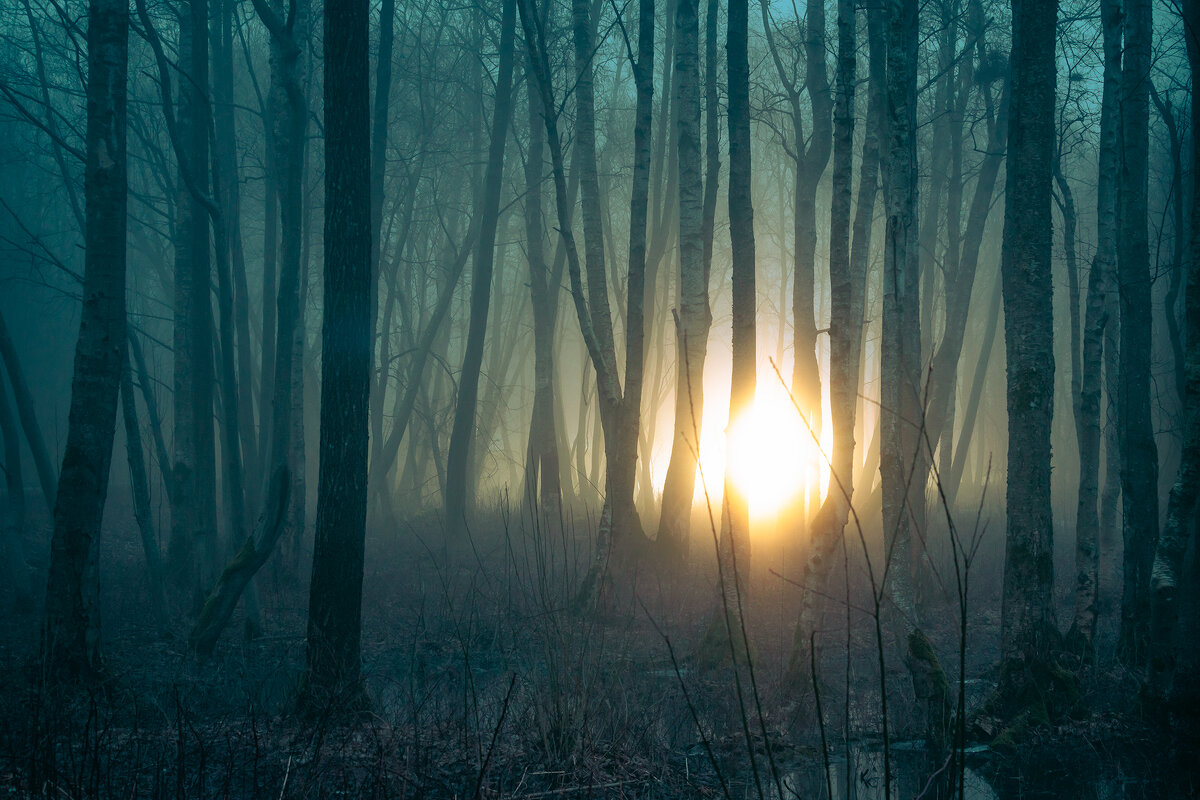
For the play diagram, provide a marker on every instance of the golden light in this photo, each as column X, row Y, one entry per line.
column 769, row 453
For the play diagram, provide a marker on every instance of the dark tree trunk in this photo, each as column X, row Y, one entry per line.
column 458, row 494
column 542, row 477
column 71, row 632
column 335, row 596
column 1139, row 454
column 901, row 413
column 734, row 550
column 1096, row 321
column 1166, row 579
column 1028, row 629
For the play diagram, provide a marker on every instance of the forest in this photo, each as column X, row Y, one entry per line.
column 599, row 398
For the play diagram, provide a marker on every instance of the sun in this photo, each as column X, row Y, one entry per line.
column 768, row 452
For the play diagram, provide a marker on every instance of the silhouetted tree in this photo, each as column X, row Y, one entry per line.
column 335, row 595
column 1028, row 630
column 71, row 631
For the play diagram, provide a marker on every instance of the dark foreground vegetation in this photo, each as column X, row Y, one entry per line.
column 483, row 682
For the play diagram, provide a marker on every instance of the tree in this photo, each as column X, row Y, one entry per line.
column 1027, row 627
column 457, row 491
column 1139, row 453
column 695, row 316
column 1165, row 579
column 1096, row 319
column 901, row 413
column 846, row 289
column 193, row 543
column 335, row 595
column 734, row 547
column 71, row 630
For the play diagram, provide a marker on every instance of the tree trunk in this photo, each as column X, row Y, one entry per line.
column 695, row 317
column 1096, row 319
column 1028, row 631
column 1139, row 454
column 542, row 477
column 846, row 290
column 734, row 549
column 458, row 494
column 71, row 631
column 1181, row 506
column 901, row 413
column 335, row 596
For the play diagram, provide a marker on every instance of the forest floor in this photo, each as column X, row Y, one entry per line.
column 484, row 683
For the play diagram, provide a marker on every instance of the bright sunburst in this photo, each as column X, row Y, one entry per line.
column 772, row 458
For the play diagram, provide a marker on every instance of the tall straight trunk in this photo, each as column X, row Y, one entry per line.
column 203, row 522
column 1096, row 321
column 901, row 449
column 695, row 317
column 1027, row 626
column 621, row 471
column 734, row 549
column 27, row 414
column 226, row 173
column 1178, row 240
column 1139, row 453
column 288, row 110
column 458, row 494
column 846, row 289
column 379, row 140
column 192, row 552
column 868, row 174
column 1178, row 529
column 542, row 477
column 71, row 628
column 335, row 596
column 812, row 160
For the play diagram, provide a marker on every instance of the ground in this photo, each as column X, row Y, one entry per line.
column 483, row 683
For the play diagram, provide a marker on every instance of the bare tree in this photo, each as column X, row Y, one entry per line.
column 71, row 630
column 458, row 493
column 1139, row 453
column 1028, row 629
column 335, row 595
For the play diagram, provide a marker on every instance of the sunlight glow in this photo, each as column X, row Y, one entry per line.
column 773, row 457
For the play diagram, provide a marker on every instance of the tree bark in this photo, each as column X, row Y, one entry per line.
column 901, row 413
column 458, row 494
column 1027, row 628
column 846, row 290
column 695, row 317
column 1096, row 320
column 335, row 598
column 734, row 549
column 1166, row 577
column 71, row 628
column 1139, row 453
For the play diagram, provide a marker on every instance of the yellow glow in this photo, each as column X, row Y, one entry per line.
column 773, row 457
